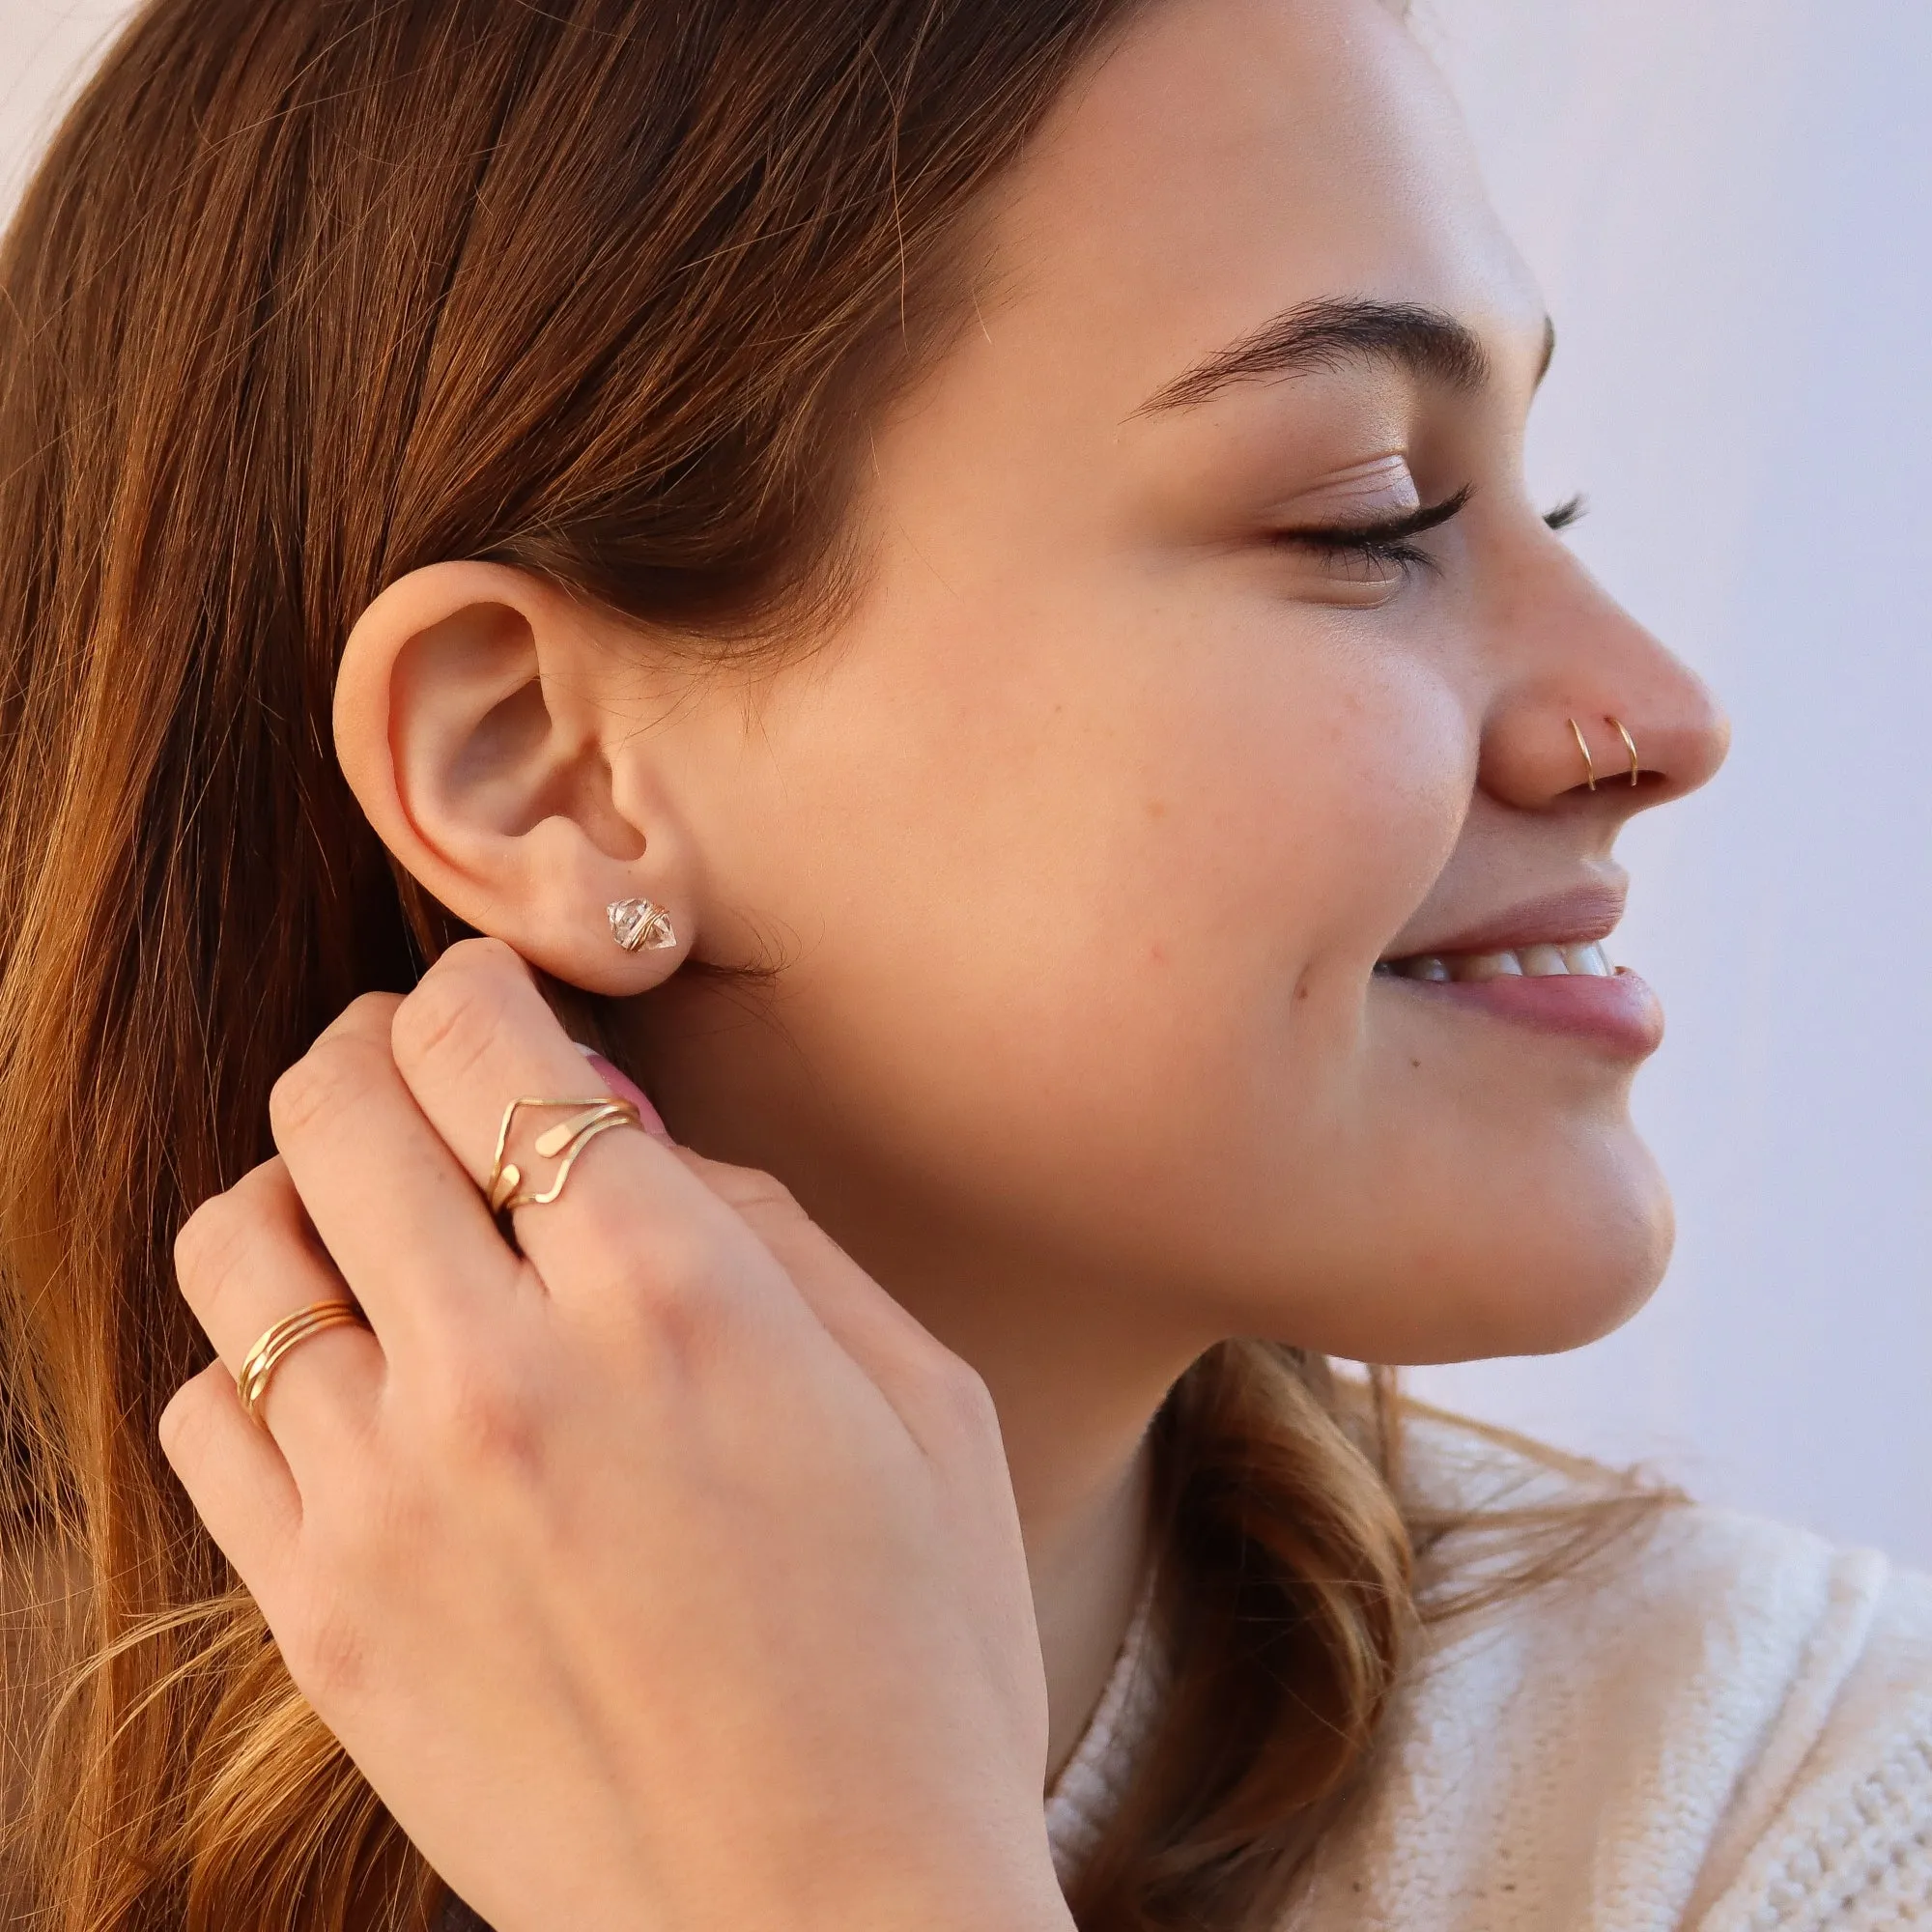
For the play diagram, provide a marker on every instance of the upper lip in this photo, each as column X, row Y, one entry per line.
column 1578, row 917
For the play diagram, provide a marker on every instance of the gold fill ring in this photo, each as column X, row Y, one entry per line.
column 507, row 1188
column 281, row 1340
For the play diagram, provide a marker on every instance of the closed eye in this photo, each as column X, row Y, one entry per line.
column 1389, row 544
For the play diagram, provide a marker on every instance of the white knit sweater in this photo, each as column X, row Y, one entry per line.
column 1726, row 1727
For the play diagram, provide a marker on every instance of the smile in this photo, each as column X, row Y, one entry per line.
column 1569, row 988
column 1528, row 962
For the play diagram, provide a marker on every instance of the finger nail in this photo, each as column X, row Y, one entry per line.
column 623, row 1087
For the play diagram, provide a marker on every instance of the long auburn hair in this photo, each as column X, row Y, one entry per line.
column 301, row 299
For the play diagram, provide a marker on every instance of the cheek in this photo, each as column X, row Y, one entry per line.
column 1110, row 902
column 1311, row 797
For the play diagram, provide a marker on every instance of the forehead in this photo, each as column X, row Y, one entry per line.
column 1230, row 159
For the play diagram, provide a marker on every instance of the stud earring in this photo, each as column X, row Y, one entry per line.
column 639, row 927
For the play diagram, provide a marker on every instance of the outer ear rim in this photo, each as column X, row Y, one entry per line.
column 405, row 609
column 566, row 933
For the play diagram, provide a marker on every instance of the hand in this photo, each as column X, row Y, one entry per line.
column 665, row 1576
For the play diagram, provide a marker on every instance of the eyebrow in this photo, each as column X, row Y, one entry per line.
column 1323, row 336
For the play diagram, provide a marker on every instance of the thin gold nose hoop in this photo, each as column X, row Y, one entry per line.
column 1583, row 746
column 1590, row 763
column 1637, row 764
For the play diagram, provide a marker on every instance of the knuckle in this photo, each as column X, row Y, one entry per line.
column 961, row 1397
column 185, row 1424
column 483, row 1412
column 762, row 1201
column 753, row 1191
column 674, row 1311
column 738, row 1185
column 367, row 1016
column 326, row 1651
column 458, row 1007
column 682, row 1284
column 213, row 1243
column 320, row 1087
column 674, row 1278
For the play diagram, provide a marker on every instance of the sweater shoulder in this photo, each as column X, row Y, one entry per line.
column 1660, row 1738
column 1841, row 1836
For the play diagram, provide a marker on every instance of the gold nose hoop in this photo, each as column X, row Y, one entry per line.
column 1590, row 763
column 1629, row 744
column 1583, row 746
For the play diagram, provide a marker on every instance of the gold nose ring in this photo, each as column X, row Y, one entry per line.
column 1590, row 763
column 1583, row 746
column 1637, row 764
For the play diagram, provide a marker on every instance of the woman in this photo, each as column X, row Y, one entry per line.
column 950, row 588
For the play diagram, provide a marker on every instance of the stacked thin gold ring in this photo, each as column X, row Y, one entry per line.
column 563, row 1142
column 281, row 1339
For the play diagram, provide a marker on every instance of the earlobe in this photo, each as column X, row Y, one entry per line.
column 476, row 724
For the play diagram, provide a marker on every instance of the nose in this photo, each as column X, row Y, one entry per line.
column 1588, row 701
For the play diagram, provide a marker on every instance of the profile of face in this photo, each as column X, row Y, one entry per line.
column 1137, row 847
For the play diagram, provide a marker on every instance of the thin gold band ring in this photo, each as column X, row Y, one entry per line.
column 280, row 1340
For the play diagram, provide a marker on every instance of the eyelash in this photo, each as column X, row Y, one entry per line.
column 1391, row 546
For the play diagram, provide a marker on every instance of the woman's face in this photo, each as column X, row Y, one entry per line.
column 1087, row 842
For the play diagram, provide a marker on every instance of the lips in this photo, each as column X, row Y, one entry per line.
column 1579, row 916
column 1542, row 965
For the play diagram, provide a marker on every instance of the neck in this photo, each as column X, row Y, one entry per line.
column 1076, row 1380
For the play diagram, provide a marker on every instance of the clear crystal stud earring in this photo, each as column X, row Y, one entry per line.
column 639, row 927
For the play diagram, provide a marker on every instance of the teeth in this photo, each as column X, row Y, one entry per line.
column 1531, row 963
column 1475, row 967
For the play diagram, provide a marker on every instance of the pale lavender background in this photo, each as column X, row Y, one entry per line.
column 1729, row 203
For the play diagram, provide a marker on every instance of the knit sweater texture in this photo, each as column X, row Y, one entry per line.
column 1723, row 1725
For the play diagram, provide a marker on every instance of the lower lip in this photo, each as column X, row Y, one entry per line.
column 1620, row 1016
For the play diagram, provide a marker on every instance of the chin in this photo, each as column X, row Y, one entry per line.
column 1460, row 1269
column 1568, row 1281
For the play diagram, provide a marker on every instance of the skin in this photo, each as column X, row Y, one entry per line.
column 1077, row 846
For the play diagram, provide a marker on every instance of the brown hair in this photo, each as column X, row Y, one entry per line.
column 305, row 296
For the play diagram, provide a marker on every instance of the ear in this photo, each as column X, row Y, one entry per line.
column 477, row 711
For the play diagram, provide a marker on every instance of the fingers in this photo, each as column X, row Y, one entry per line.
column 406, row 1225
column 247, row 1259
column 867, row 1321
column 936, row 1395
column 234, row 1475
column 476, row 1035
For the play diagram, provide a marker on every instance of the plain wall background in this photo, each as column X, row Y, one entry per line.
column 1729, row 204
